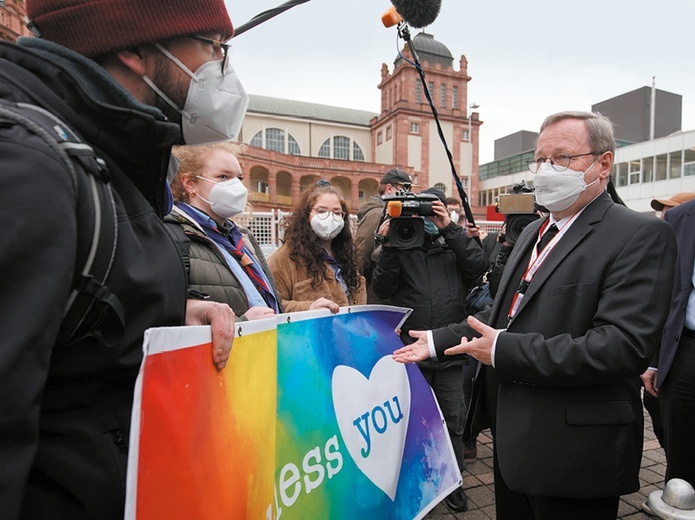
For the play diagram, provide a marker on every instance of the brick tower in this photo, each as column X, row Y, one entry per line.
column 405, row 132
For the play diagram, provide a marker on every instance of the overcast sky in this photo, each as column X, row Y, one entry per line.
column 526, row 59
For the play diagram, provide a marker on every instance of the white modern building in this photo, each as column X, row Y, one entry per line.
column 653, row 159
column 655, row 169
column 643, row 171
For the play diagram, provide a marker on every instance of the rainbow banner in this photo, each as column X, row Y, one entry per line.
column 311, row 419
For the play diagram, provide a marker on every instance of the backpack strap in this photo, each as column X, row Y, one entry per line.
column 179, row 237
column 91, row 308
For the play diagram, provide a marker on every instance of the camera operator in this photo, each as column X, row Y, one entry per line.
column 369, row 218
column 433, row 279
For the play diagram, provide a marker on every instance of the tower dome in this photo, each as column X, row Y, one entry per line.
column 429, row 51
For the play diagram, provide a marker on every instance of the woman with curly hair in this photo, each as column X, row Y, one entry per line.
column 316, row 266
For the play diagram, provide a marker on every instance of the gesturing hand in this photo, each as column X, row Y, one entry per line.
column 479, row 348
column 418, row 351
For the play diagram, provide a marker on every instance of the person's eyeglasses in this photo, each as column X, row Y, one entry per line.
column 216, row 44
column 559, row 163
column 323, row 214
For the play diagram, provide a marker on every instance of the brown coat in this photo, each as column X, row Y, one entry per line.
column 294, row 284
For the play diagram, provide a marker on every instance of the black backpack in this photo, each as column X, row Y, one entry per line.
column 91, row 308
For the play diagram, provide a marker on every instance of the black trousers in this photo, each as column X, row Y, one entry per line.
column 678, row 413
column 511, row 505
column 447, row 384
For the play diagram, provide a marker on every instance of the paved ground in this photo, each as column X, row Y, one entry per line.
column 479, row 484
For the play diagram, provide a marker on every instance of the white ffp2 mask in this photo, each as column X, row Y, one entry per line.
column 227, row 198
column 216, row 104
column 557, row 191
column 326, row 228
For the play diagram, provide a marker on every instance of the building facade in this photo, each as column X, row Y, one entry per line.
column 644, row 167
column 292, row 144
column 12, row 20
column 658, row 168
column 643, row 114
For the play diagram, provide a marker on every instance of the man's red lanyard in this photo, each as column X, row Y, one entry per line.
column 535, row 263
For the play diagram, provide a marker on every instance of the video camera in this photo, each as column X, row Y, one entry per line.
column 406, row 232
column 519, row 208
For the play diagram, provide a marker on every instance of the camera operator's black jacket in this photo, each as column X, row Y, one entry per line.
column 433, row 280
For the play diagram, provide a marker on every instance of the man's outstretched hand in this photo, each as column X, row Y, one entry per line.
column 418, row 351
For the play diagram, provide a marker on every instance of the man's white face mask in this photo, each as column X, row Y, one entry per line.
column 557, row 191
column 216, row 104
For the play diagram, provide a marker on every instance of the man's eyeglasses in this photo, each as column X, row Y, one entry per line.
column 216, row 44
column 323, row 214
column 559, row 163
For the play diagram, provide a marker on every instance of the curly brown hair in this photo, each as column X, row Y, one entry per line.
column 305, row 245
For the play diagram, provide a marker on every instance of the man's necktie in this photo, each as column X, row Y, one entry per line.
column 546, row 238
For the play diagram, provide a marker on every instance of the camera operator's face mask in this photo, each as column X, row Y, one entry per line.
column 216, row 102
column 430, row 227
column 227, row 198
column 556, row 190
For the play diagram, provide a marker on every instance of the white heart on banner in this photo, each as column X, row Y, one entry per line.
column 372, row 416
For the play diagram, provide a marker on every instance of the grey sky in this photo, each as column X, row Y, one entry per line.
column 527, row 59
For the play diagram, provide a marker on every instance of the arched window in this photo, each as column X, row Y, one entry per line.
column 341, row 147
column 441, row 187
column 276, row 139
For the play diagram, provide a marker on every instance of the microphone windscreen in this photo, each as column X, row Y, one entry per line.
column 418, row 13
column 391, row 17
column 394, row 208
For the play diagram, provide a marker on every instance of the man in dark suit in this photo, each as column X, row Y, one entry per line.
column 675, row 378
column 573, row 325
column 650, row 397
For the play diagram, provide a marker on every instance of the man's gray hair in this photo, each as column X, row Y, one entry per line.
column 599, row 128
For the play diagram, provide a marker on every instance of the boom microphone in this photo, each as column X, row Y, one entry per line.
column 391, row 17
column 266, row 15
column 418, row 13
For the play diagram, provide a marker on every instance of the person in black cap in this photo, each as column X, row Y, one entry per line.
column 369, row 217
column 434, row 280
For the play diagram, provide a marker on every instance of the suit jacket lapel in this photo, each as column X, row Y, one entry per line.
column 686, row 245
column 519, row 254
column 581, row 227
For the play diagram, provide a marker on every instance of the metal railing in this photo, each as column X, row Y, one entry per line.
column 266, row 227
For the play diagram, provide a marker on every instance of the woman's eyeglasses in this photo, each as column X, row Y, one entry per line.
column 323, row 214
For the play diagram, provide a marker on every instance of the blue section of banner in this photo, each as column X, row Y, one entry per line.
column 317, row 474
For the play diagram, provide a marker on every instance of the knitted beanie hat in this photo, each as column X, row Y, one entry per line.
column 95, row 27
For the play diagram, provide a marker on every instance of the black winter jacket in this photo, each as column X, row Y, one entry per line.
column 433, row 280
column 65, row 413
